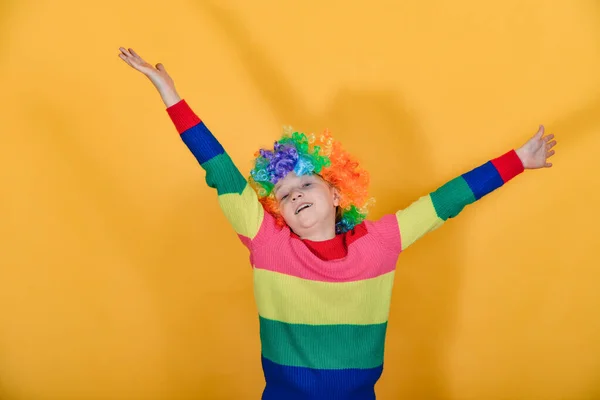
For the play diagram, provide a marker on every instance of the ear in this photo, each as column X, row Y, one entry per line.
column 336, row 197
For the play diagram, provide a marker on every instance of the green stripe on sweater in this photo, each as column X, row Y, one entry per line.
column 323, row 346
column 222, row 174
column 451, row 198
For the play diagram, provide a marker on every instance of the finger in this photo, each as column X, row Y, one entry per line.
column 550, row 145
column 133, row 53
column 132, row 62
column 125, row 58
column 548, row 165
column 540, row 132
column 549, row 137
column 550, row 154
column 160, row 67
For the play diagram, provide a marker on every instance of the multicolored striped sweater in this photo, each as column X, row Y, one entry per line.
column 323, row 306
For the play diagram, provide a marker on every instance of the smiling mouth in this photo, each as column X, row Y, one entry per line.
column 303, row 207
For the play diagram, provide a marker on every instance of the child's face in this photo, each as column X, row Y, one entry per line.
column 308, row 205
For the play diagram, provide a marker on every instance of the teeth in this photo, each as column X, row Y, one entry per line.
column 302, row 208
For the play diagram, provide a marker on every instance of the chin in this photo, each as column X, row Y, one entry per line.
column 312, row 222
column 305, row 225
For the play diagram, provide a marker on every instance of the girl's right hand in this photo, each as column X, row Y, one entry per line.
column 158, row 75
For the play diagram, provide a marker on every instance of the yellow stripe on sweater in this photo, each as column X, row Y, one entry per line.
column 416, row 220
column 244, row 211
column 295, row 300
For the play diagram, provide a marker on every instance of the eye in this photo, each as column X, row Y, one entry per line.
column 284, row 197
column 306, row 185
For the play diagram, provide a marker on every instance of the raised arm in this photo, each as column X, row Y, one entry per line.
column 237, row 199
column 431, row 211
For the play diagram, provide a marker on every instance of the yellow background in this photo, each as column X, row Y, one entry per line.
column 119, row 276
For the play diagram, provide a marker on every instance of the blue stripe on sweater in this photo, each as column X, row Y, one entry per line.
column 483, row 179
column 297, row 383
column 201, row 142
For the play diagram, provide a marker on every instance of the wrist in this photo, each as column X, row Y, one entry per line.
column 521, row 154
column 169, row 96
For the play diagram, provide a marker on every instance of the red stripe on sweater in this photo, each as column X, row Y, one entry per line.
column 508, row 165
column 336, row 248
column 182, row 116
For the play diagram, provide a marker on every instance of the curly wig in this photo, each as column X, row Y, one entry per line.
column 311, row 154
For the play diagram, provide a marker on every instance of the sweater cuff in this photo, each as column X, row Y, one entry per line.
column 182, row 116
column 508, row 165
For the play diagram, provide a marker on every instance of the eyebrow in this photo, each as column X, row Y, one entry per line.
column 276, row 189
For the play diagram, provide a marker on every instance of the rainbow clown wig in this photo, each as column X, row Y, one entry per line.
column 311, row 154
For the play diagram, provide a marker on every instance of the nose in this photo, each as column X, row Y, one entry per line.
column 296, row 195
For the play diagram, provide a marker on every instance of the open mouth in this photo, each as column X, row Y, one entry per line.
column 303, row 207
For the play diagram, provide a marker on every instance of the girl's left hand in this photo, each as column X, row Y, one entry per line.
column 535, row 153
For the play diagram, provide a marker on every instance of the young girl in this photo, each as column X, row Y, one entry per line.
column 323, row 273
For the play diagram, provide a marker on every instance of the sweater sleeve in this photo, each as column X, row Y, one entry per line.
column 237, row 199
column 431, row 211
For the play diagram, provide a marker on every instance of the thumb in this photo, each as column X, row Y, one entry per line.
column 540, row 132
column 160, row 67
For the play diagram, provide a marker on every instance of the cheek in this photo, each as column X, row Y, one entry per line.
column 286, row 210
column 325, row 198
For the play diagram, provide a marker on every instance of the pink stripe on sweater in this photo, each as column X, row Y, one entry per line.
column 370, row 256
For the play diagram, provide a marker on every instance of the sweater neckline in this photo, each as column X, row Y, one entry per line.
column 327, row 250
